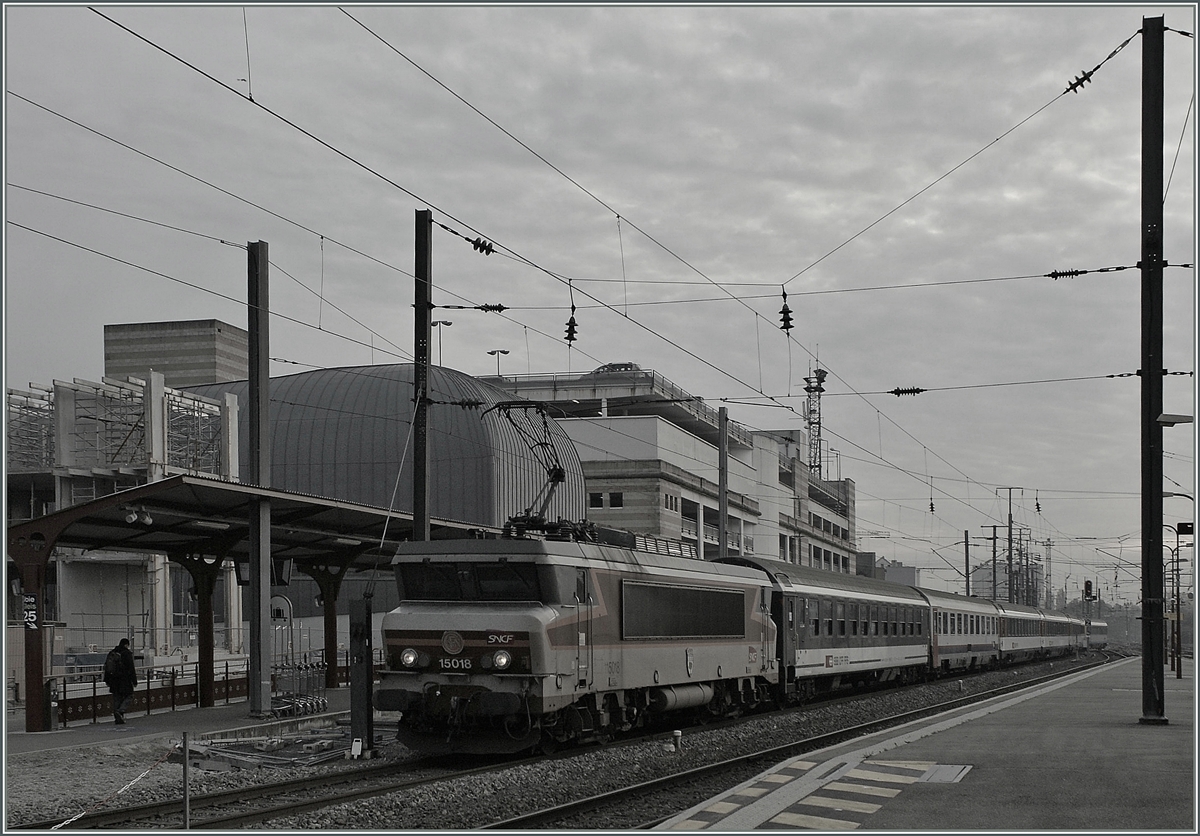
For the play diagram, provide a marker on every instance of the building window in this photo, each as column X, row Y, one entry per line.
column 616, row 500
column 595, row 500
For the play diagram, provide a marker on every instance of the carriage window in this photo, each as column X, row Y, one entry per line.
column 841, row 619
column 814, row 614
column 827, row 616
column 791, row 613
column 468, row 582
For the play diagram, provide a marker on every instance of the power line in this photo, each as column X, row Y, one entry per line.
column 186, row 283
column 904, row 203
column 267, row 211
column 560, row 278
column 321, row 296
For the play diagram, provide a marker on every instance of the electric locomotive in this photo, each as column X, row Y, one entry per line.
column 511, row 644
column 503, row 645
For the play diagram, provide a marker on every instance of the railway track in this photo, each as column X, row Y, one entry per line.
column 247, row 806
column 256, row 805
column 620, row 808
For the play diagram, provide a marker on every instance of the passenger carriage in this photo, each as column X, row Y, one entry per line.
column 1020, row 632
column 1062, row 635
column 965, row 634
column 836, row 630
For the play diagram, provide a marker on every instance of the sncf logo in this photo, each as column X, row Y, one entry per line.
column 452, row 642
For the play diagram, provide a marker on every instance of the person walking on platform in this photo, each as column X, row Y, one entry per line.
column 120, row 675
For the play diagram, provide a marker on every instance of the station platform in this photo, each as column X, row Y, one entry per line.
column 1070, row 755
column 224, row 720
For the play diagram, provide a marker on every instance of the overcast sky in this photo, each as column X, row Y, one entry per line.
column 909, row 175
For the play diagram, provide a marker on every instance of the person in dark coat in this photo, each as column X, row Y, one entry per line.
column 123, row 680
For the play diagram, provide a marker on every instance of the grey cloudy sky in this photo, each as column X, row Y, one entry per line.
column 909, row 174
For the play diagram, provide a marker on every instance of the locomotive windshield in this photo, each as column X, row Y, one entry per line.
column 500, row 581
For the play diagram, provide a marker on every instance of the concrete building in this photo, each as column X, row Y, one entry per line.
column 893, row 571
column 189, row 353
column 651, row 460
column 337, row 433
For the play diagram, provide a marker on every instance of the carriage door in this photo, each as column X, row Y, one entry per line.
column 583, row 649
column 933, row 636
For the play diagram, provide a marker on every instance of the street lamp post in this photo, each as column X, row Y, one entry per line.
column 435, row 324
column 496, row 352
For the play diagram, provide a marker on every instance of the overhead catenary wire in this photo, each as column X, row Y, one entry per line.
column 252, row 204
column 695, row 355
column 406, row 191
column 942, row 177
column 960, row 165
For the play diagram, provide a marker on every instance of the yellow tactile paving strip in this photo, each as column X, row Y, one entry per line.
column 843, row 799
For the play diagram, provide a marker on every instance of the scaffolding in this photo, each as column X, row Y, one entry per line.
column 107, row 430
column 193, row 433
column 30, row 431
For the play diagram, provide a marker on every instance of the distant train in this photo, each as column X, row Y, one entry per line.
column 504, row 645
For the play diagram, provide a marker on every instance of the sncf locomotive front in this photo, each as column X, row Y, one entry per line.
column 467, row 651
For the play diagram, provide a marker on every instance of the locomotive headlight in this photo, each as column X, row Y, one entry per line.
column 408, row 657
column 502, row 659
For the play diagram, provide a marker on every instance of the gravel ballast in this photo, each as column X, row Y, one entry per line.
column 65, row 782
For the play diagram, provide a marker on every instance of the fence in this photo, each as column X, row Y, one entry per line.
column 296, row 689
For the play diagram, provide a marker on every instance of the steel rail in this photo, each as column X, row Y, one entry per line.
column 174, row 808
column 550, row 815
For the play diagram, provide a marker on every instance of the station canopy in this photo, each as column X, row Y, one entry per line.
column 195, row 515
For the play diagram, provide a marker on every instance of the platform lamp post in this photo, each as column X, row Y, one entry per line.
column 496, row 352
column 1181, row 529
column 1177, row 559
column 1169, row 640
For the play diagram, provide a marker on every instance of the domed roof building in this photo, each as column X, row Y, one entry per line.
column 346, row 433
